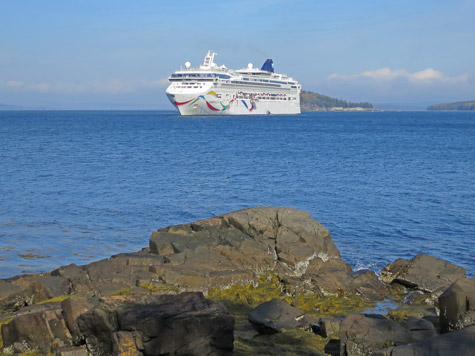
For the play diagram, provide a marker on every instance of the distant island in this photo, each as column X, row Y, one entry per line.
column 459, row 105
column 310, row 101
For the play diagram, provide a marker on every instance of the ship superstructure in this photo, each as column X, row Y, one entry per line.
column 217, row 90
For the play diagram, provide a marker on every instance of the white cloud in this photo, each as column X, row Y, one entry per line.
column 89, row 87
column 14, row 84
column 426, row 76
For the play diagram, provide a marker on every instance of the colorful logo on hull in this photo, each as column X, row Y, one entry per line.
column 250, row 107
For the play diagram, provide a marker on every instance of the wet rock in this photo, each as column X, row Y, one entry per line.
column 186, row 324
column 360, row 335
column 457, row 305
column 276, row 316
column 420, row 329
column 423, row 272
column 457, row 343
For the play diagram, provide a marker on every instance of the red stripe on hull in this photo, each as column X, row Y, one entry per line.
column 211, row 106
column 183, row 103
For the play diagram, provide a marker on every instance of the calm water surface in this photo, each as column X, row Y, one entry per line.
column 78, row 186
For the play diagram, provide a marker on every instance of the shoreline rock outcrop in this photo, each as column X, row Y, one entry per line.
column 133, row 303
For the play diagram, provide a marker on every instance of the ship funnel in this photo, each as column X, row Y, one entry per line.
column 268, row 66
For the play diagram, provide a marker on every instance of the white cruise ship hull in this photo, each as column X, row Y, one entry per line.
column 212, row 90
column 199, row 105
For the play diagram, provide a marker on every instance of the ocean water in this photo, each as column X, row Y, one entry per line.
column 79, row 186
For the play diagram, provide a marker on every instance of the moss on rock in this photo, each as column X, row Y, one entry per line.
column 164, row 288
column 267, row 287
column 292, row 342
column 317, row 306
column 57, row 299
column 241, row 299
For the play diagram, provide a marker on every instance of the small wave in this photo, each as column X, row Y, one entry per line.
column 360, row 265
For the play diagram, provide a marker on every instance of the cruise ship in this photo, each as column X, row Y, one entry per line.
column 217, row 90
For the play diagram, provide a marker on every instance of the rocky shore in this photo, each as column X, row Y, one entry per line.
column 260, row 281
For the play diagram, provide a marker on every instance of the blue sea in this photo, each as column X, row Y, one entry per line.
column 79, row 186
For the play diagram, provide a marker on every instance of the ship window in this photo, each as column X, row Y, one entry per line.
column 293, row 86
column 245, row 78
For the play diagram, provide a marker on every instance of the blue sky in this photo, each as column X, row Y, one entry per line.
column 118, row 54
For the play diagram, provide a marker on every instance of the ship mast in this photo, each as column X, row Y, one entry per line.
column 209, row 60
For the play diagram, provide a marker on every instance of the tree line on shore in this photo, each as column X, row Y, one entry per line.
column 310, row 101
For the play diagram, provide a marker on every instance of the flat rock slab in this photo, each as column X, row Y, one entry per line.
column 276, row 316
column 423, row 272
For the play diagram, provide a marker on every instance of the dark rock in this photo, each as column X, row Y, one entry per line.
column 186, row 324
column 332, row 348
column 28, row 290
column 367, row 284
column 49, row 285
column 391, row 271
column 457, row 343
column 37, row 330
column 335, row 276
column 73, row 307
column 420, row 329
column 329, row 326
column 276, row 316
column 457, row 305
column 77, row 277
column 360, row 335
column 127, row 343
column 423, row 272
